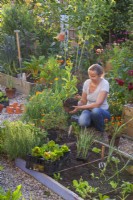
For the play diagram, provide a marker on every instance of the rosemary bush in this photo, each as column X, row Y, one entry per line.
column 20, row 138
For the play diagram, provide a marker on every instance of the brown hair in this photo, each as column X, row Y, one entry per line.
column 97, row 68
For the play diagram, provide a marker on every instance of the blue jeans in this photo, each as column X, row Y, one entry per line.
column 94, row 117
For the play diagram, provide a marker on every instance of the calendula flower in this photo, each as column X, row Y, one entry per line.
column 42, row 114
column 38, row 4
column 112, row 118
column 37, row 93
column 42, row 120
column 56, row 79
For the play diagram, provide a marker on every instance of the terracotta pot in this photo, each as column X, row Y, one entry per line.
column 1, row 107
column 61, row 36
column 14, row 105
column 116, row 141
column 22, row 106
column 18, row 110
column 10, row 92
column 9, row 109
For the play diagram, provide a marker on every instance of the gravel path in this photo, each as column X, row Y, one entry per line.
column 11, row 176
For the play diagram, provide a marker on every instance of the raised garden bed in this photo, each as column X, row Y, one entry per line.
column 90, row 172
column 21, row 85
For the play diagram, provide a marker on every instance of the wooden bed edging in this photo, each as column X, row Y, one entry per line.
column 126, row 155
column 48, row 182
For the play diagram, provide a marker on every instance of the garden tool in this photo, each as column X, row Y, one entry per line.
column 102, row 164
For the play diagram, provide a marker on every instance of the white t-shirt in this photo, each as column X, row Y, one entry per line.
column 92, row 97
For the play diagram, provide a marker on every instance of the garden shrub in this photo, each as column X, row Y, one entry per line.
column 45, row 109
column 120, row 79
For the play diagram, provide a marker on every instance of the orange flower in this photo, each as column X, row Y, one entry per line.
column 42, row 120
column 60, row 61
column 42, row 114
column 112, row 118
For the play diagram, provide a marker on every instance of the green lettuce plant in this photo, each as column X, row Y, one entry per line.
column 50, row 151
column 83, row 188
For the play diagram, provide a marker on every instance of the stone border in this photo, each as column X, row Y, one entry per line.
column 48, row 182
column 21, row 85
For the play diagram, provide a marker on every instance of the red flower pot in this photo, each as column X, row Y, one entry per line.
column 14, row 105
column 10, row 92
column 1, row 107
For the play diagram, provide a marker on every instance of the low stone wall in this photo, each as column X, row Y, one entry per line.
column 21, row 85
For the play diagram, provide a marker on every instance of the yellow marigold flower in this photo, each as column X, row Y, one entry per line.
column 87, row 18
column 42, row 120
column 38, row 4
column 56, row 79
column 37, row 93
column 31, row 98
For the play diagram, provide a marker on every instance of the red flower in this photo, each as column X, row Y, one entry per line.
column 130, row 86
column 130, row 72
column 119, row 81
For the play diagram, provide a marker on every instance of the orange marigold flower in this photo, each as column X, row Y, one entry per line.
column 60, row 61
column 42, row 114
column 42, row 120
column 112, row 118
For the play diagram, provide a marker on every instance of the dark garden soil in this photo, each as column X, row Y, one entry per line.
column 89, row 171
column 73, row 169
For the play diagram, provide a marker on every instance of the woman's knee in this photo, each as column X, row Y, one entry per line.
column 84, row 119
column 96, row 112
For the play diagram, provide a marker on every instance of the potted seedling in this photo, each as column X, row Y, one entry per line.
column 10, row 89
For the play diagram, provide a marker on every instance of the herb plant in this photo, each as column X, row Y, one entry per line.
column 84, row 142
column 20, row 138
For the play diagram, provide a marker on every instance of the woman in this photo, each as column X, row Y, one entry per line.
column 93, row 102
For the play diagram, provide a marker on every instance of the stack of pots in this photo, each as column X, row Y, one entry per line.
column 14, row 108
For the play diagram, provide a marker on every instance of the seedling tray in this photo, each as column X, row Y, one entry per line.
column 46, row 166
